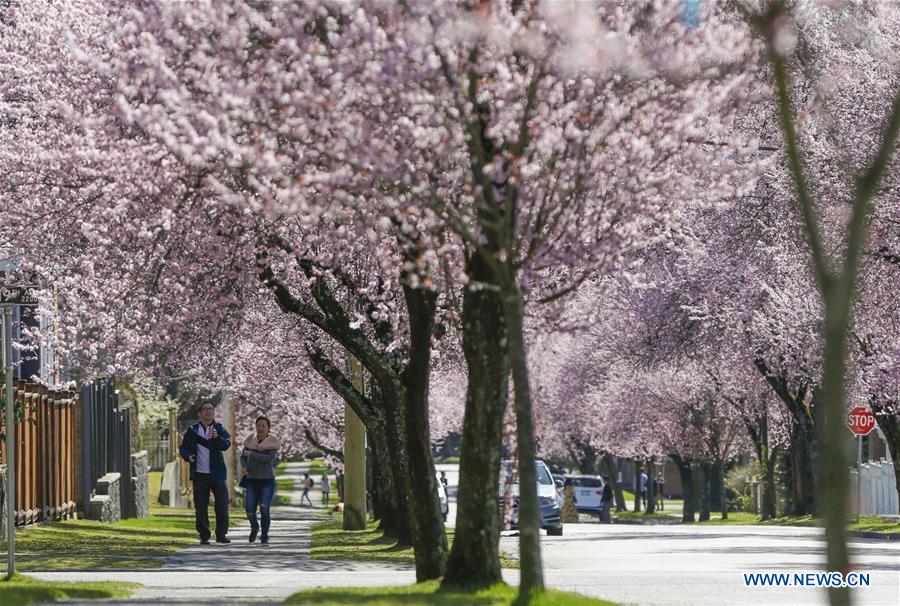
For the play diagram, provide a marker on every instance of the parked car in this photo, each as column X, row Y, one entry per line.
column 548, row 499
column 587, row 492
column 443, row 497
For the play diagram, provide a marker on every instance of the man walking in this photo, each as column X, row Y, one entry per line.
column 202, row 446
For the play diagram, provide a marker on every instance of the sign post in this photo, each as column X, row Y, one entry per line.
column 11, row 296
column 861, row 422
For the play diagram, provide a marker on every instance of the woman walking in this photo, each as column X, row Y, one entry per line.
column 326, row 488
column 258, row 463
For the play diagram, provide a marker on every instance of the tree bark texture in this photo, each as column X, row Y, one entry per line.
column 474, row 558
column 531, row 568
column 702, row 477
column 637, row 485
column 651, row 487
column 429, row 537
column 611, row 469
column 686, row 472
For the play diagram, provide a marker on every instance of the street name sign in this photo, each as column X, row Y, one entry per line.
column 861, row 421
column 17, row 294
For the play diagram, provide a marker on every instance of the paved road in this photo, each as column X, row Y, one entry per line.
column 689, row 565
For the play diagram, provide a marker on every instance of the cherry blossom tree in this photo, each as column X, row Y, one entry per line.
column 799, row 45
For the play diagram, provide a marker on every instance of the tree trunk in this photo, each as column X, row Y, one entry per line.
column 835, row 485
column 802, row 449
column 610, row 469
column 687, row 485
column 769, row 506
column 703, row 490
column 637, row 485
column 531, row 569
column 396, row 447
column 720, row 483
column 474, row 558
column 587, row 459
column 651, row 487
column 429, row 537
column 391, row 502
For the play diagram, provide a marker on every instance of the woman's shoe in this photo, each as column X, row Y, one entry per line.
column 253, row 533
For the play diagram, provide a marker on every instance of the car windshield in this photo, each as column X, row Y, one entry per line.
column 587, row 482
column 543, row 476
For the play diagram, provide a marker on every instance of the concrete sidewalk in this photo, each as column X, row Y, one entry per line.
column 246, row 573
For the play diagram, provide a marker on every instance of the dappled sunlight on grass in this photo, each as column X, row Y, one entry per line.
column 430, row 593
column 132, row 543
column 25, row 590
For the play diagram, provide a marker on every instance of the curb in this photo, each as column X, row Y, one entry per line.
column 871, row 534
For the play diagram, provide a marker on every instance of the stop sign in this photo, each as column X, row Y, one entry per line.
column 861, row 421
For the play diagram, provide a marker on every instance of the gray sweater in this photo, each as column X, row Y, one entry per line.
column 259, row 464
column 258, row 458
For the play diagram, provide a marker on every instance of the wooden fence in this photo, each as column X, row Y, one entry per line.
column 45, row 454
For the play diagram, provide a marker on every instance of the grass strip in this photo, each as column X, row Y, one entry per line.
column 22, row 589
column 431, row 594
column 82, row 544
column 331, row 542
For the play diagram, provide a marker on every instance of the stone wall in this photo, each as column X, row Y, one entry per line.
column 140, row 482
column 106, row 503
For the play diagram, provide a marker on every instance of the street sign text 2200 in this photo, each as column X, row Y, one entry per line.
column 18, row 295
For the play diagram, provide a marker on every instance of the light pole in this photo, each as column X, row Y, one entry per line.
column 10, row 445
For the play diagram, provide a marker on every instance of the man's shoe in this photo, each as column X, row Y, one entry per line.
column 253, row 533
column 264, row 540
column 204, row 541
column 223, row 540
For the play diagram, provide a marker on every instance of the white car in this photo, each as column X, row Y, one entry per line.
column 548, row 499
column 587, row 492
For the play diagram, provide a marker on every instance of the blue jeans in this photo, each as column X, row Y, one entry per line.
column 259, row 493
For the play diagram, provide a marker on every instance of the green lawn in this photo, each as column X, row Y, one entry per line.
column 25, row 590
column 285, row 485
column 640, row 516
column 430, row 593
column 331, row 542
column 317, row 467
column 78, row 544
column 875, row 524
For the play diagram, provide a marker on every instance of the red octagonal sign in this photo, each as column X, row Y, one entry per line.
column 861, row 421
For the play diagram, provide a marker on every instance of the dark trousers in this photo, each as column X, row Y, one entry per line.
column 203, row 483
column 259, row 493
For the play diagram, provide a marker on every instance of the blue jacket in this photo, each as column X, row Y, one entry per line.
column 221, row 442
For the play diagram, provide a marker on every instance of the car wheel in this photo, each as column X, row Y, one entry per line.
column 555, row 532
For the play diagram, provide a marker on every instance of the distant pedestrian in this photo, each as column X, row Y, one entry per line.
column 307, row 484
column 660, row 484
column 326, row 488
column 339, row 480
column 643, row 488
column 606, row 501
column 444, row 479
column 258, row 464
column 202, row 446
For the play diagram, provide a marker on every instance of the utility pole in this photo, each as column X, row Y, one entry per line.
column 10, row 496
column 354, row 459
